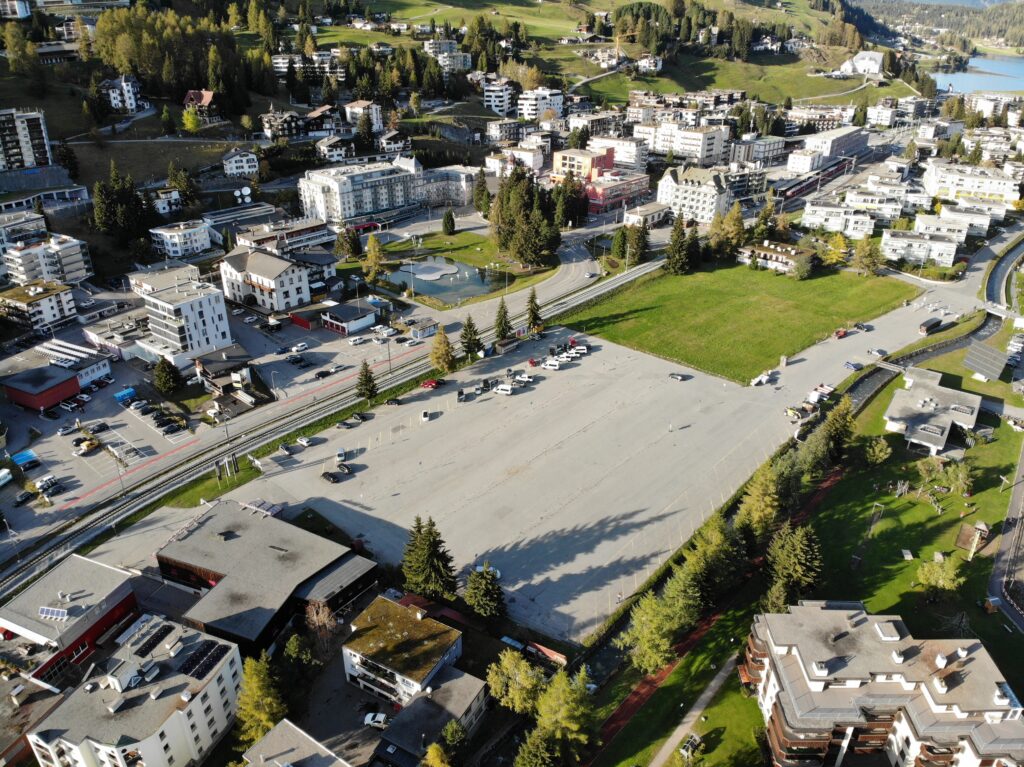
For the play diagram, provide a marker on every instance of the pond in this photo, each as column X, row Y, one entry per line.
column 447, row 280
column 986, row 73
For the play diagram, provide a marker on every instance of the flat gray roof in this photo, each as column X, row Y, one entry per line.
column 87, row 583
column 927, row 410
column 140, row 710
column 262, row 559
column 287, row 744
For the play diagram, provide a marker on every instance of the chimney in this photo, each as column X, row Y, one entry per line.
column 940, row 685
column 1000, row 698
column 961, row 652
column 897, row 656
column 941, row 661
column 820, row 668
column 420, row 614
column 224, row 355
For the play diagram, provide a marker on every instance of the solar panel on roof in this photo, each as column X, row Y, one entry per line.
column 985, row 360
column 53, row 613
column 157, row 636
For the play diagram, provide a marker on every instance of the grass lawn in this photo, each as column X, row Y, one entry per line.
column 62, row 103
column 954, row 373
column 870, row 95
column 694, row 318
column 144, row 161
column 641, row 738
column 771, row 78
column 466, row 247
column 884, row 581
column 729, row 732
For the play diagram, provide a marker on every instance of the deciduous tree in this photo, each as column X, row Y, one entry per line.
column 442, row 356
column 940, row 579
column 759, row 508
column 260, row 705
column 565, row 711
column 373, row 263
column 648, row 638
column 515, row 682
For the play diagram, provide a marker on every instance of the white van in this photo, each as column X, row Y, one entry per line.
column 5, row 476
column 550, row 365
column 504, row 389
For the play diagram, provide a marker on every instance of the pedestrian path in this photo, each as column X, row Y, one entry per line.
column 686, row 726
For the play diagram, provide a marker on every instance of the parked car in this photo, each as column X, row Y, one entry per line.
column 336, row 368
column 237, row 312
column 321, row 374
column 304, row 441
column 841, row 333
column 413, row 342
column 550, row 365
column 504, row 389
column 852, row 365
column 300, row 347
column 85, row 302
column 342, row 425
column 138, row 404
column 281, row 350
column 877, row 352
column 358, row 417
column 393, row 401
column 343, row 467
column 23, row 497
column 31, row 463
column 401, row 340
column 251, row 319
column 99, row 428
column 63, row 431
column 679, row 376
column 51, row 415
column 862, row 327
column 79, row 440
column 331, row 476
column 293, row 359
column 171, row 428
column 380, row 721
column 52, row 490
column 425, row 416
column 523, row 378
column 356, row 340
column 87, row 447
column 83, row 398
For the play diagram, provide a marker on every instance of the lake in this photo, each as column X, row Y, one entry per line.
column 986, row 73
column 447, row 280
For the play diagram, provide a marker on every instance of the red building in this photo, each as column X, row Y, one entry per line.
column 41, row 388
column 617, row 189
column 76, row 606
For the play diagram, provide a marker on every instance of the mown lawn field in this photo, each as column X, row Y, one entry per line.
column 883, row 579
column 729, row 732
column 733, row 321
column 466, row 247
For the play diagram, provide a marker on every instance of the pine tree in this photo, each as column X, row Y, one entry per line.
column 260, row 705
column 448, row 222
column 470, row 337
column 618, row 251
column 502, row 323
column 536, row 751
column 638, row 239
column 373, row 264
column 677, row 260
column 427, row 564
column 515, row 682
column 364, row 131
column 481, row 197
column 366, row 384
column 693, row 247
column 66, row 156
column 683, row 597
column 442, row 356
column 483, row 593
column 794, row 557
column 534, row 320
column 166, row 377
column 718, row 240
column 648, row 638
column 565, row 712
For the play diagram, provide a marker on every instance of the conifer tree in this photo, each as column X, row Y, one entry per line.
column 470, row 337
column 484, row 594
column 502, row 323
column 366, row 384
column 534, row 319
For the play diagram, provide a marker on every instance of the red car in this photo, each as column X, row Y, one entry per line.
column 432, row 383
column 841, row 333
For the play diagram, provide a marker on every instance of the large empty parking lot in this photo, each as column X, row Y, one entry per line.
column 575, row 487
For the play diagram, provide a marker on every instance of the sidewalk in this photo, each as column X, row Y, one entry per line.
column 686, row 726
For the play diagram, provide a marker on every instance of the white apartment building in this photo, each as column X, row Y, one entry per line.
column 373, row 658
column 39, row 305
column 15, row 9
column 435, row 48
column 695, row 193
column 240, row 162
column 834, row 217
column 631, row 153
column 455, row 62
column 918, row 248
column 649, row 65
column 803, row 161
column 336, row 195
column 185, row 238
column 952, row 228
column 883, row 117
column 51, row 257
column 166, row 201
column 536, row 103
column 24, row 142
column 124, row 94
column 864, row 63
column 878, row 205
column 186, row 319
column 847, row 141
column 164, row 698
column 978, row 221
column 500, row 96
column 763, row 151
column 531, row 158
column 283, row 237
column 161, row 275
column 953, row 182
column 335, row 148
column 702, row 145
column 354, row 110
column 608, row 122
column 20, row 226
column 256, row 278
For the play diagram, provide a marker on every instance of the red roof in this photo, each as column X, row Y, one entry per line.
column 199, row 98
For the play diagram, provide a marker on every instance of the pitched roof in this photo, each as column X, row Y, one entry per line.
column 257, row 262
column 202, row 98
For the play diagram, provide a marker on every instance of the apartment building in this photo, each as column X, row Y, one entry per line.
column 375, row 657
column 182, row 239
column 803, row 161
column 702, row 145
column 978, row 221
column 953, row 182
column 918, row 248
column 48, row 257
column 695, row 193
column 955, row 229
column 763, row 151
column 882, row 116
column 777, row 256
column 500, row 96
column 833, row 680
column 240, row 162
column 39, row 305
column 822, row 116
column 284, row 237
column 615, row 189
column 535, row 104
column 123, row 94
column 502, row 164
column 21, row 226
column 455, row 62
column 336, row 195
column 835, row 217
column 274, row 284
column 609, row 122
column 848, row 141
column 166, row 201
column 435, row 48
column 24, row 142
column 186, row 319
column 630, row 152
column 581, row 163
column 15, row 9
column 879, row 205
column 355, row 109
column 505, row 130
column 164, row 697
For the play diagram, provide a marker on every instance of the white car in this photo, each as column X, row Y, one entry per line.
column 425, row 416
column 380, row 340
column 876, row 352
column 336, row 368
column 300, row 347
column 413, row 342
column 250, row 319
column 236, row 312
column 86, row 302
column 524, row 378
column 83, row 398
column 565, row 358
column 304, row 441
column 380, row 721
column 504, row 389
column 356, row 340
column 550, row 365
column 495, row 570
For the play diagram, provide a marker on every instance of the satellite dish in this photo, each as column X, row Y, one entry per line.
column 238, row 193
column 247, row 199
column 246, row 191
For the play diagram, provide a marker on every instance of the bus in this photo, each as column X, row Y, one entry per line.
column 929, row 326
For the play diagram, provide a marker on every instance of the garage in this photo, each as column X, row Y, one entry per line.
column 41, row 388
column 347, row 319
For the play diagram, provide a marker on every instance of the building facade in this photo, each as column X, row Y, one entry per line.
column 124, row 94
column 240, row 162
column 24, row 141
column 39, row 305
column 533, row 105
column 700, row 145
column 847, row 141
column 260, row 279
column 695, row 193
column 500, row 96
column 336, row 195
column 186, row 320
column 183, row 239
column 630, row 152
column 51, row 258
column 918, row 248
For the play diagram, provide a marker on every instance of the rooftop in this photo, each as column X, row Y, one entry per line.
column 181, row 293
column 85, row 584
column 925, row 411
column 174, row 273
column 179, row 226
column 37, row 380
column 130, row 696
column 287, row 745
column 396, row 638
column 30, row 292
column 257, row 262
column 260, row 560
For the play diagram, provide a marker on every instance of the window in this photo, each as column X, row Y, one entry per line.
column 188, row 713
column 162, row 735
column 193, row 727
column 211, row 722
column 204, row 697
column 170, row 760
column 167, row 748
column 195, row 739
column 207, row 710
